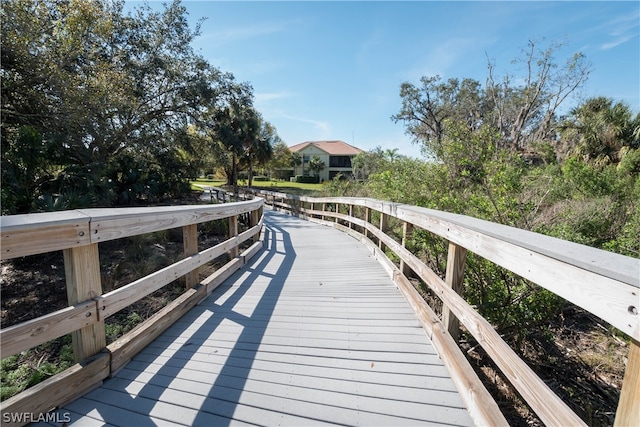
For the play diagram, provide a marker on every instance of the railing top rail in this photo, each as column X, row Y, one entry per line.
column 30, row 234
column 612, row 265
column 604, row 283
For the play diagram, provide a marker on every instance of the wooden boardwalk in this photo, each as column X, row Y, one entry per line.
column 312, row 331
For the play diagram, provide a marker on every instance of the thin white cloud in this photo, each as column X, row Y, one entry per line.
column 270, row 96
column 620, row 29
column 261, row 67
column 375, row 40
column 226, row 35
column 617, row 42
column 320, row 125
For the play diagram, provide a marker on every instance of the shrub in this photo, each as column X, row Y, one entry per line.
column 304, row 179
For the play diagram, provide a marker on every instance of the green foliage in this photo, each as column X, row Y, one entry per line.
column 629, row 163
column 599, row 129
column 119, row 327
column 21, row 371
column 584, row 198
column 307, row 179
column 576, row 198
column 281, row 161
column 316, row 165
column 100, row 107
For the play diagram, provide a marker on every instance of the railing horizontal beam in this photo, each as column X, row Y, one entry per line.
column 37, row 233
column 116, row 300
column 31, row 333
column 29, row 234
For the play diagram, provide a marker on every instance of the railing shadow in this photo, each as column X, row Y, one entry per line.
column 142, row 393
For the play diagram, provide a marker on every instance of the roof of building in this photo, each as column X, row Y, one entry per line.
column 336, row 148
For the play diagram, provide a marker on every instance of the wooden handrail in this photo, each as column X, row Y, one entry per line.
column 603, row 283
column 78, row 233
column 31, row 234
column 86, row 312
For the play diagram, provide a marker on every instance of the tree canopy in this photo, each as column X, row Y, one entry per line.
column 101, row 107
column 521, row 113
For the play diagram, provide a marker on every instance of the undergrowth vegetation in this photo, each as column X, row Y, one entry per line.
column 595, row 205
column 578, row 199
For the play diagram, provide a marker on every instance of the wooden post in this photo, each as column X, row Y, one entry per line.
column 337, row 212
column 384, row 218
column 628, row 412
column 255, row 219
column 367, row 219
column 407, row 229
column 351, row 215
column 313, row 207
column 454, row 278
column 82, row 271
column 233, row 231
column 190, row 241
column 324, row 208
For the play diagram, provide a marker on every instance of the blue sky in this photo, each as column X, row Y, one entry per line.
column 332, row 70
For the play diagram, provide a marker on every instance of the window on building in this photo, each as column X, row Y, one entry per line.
column 340, row 162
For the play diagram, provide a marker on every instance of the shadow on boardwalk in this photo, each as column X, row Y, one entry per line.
column 311, row 331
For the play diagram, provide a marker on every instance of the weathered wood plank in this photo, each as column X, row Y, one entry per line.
column 302, row 402
column 628, row 412
column 547, row 405
column 30, row 234
column 482, row 408
column 454, row 277
column 34, row 332
column 190, row 242
column 60, row 389
column 82, row 272
column 562, row 273
column 233, row 232
column 109, row 224
column 114, row 301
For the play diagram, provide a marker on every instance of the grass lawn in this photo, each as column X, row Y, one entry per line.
column 280, row 186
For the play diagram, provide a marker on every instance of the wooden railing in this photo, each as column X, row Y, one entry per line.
column 603, row 283
column 77, row 234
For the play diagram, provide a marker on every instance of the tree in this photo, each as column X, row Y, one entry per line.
column 425, row 109
column 521, row 114
column 598, row 129
column 374, row 161
column 281, row 159
column 260, row 150
column 525, row 113
column 391, row 154
column 103, row 91
column 234, row 124
column 296, row 160
column 316, row 165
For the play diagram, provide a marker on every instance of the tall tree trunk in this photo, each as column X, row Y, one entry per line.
column 234, row 174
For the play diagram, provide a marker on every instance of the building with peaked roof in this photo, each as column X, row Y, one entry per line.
column 336, row 156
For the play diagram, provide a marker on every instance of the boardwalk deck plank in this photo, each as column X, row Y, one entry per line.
column 312, row 331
